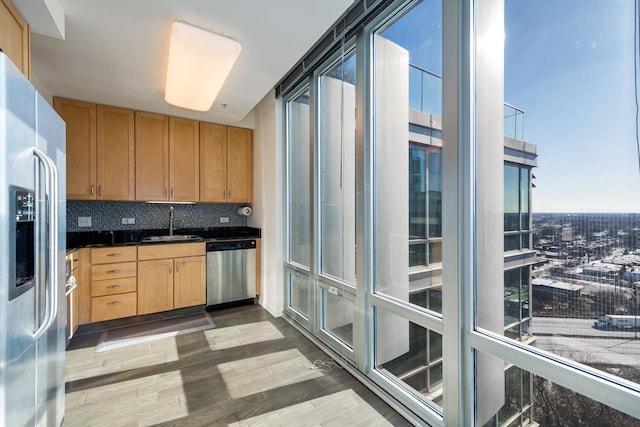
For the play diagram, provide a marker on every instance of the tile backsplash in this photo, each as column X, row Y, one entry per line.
column 108, row 215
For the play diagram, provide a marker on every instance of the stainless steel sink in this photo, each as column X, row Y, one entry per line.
column 172, row 238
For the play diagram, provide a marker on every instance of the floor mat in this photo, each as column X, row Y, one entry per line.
column 136, row 334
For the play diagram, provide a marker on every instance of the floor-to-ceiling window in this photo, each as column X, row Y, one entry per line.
column 298, row 182
column 336, row 199
column 406, row 203
column 411, row 226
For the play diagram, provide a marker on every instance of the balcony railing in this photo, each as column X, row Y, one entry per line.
column 425, row 94
column 425, row 91
column 513, row 122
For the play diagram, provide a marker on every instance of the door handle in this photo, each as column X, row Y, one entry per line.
column 51, row 297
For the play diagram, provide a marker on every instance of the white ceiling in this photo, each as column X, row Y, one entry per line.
column 115, row 51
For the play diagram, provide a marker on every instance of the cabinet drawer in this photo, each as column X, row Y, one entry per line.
column 173, row 250
column 113, row 286
column 113, row 306
column 114, row 254
column 113, row 271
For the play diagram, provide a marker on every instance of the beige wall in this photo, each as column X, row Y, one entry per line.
column 268, row 212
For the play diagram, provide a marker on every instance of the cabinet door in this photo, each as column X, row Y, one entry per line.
column 239, row 165
column 190, row 286
column 213, row 162
column 83, row 291
column 155, row 286
column 80, row 118
column 115, row 165
column 184, row 149
column 15, row 37
column 152, row 156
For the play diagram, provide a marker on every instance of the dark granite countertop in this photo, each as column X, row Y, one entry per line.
column 83, row 239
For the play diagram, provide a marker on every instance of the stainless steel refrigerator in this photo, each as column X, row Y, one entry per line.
column 32, row 254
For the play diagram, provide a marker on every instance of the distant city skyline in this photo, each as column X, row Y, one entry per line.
column 569, row 65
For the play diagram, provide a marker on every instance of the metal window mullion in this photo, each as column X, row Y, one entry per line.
column 457, row 211
column 411, row 313
column 314, row 190
column 619, row 394
column 362, row 339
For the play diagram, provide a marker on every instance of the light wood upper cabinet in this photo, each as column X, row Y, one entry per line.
column 226, row 164
column 213, row 163
column 120, row 154
column 15, row 37
column 152, row 156
column 184, row 152
column 100, row 150
column 167, row 150
column 115, row 160
column 80, row 119
column 240, row 165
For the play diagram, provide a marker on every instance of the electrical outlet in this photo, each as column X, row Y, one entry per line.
column 126, row 221
column 84, row 221
column 224, row 219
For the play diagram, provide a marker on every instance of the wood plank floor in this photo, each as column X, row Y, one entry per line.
column 250, row 370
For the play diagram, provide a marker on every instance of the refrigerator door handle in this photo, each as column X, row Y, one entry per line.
column 51, row 184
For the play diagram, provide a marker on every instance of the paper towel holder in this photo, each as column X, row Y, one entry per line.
column 245, row 211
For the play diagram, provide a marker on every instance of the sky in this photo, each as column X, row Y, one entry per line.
column 569, row 65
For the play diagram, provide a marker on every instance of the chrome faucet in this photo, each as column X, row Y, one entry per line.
column 171, row 216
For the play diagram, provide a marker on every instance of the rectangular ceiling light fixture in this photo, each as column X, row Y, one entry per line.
column 199, row 63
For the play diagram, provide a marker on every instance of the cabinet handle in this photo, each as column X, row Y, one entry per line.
column 113, row 271
column 115, row 254
column 114, row 303
column 114, row 287
column 100, row 190
column 170, row 267
column 177, row 267
column 92, row 190
column 172, row 194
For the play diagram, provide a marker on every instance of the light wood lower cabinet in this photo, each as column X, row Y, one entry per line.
column 125, row 281
column 189, row 281
column 171, row 276
column 83, row 279
column 113, row 306
column 113, row 284
column 72, row 297
column 156, row 286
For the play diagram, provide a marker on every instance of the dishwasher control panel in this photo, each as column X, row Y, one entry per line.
column 230, row 246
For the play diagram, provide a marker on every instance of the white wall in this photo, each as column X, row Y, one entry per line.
column 268, row 214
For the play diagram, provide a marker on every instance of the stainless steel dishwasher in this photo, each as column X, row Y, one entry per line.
column 231, row 273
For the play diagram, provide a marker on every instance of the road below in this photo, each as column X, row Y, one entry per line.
column 578, row 340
